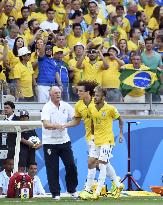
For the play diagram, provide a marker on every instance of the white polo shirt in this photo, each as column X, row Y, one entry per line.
column 60, row 115
column 37, row 186
column 4, row 181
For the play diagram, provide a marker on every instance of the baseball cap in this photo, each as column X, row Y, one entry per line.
column 98, row 21
column 56, row 49
column 29, row 2
column 24, row 113
column 79, row 44
column 23, row 51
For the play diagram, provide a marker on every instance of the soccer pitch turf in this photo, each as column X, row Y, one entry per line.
column 101, row 201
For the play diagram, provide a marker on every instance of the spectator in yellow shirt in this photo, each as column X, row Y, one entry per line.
column 151, row 4
column 93, row 13
column 92, row 69
column 7, row 9
column 110, row 76
column 76, row 36
column 41, row 16
column 156, row 18
column 24, row 13
column 126, row 24
column 23, row 74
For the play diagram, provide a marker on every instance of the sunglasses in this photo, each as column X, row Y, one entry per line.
column 92, row 51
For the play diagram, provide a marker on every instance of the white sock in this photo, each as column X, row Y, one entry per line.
column 101, row 178
column 112, row 175
column 90, row 179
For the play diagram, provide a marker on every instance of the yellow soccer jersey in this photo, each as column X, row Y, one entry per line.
column 110, row 76
column 149, row 10
column 81, row 111
column 78, row 73
column 88, row 19
column 24, row 74
column 103, row 123
column 59, row 14
column 153, row 24
column 132, row 46
column 72, row 40
column 93, row 72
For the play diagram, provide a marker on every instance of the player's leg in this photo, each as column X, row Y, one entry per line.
column 117, row 186
column 92, row 161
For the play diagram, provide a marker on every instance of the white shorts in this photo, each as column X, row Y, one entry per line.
column 103, row 153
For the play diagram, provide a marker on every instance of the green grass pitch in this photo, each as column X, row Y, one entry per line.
column 101, row 201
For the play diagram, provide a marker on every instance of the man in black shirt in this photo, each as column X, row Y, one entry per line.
column 27, row 147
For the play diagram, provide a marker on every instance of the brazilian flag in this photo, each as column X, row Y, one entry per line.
column 142, row 79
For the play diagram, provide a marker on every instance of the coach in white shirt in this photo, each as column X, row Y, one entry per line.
column 56, row 143
column 5, row 176
column 49, row 24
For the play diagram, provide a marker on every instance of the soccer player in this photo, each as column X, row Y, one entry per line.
column 85, row 93
column 102, row 115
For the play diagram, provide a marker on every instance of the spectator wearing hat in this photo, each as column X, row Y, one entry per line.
column 31, row 4
column 27, row 148
column 110, row 76
column 48, row 72
column 23, row 75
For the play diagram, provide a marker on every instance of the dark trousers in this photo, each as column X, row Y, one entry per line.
column 52, row 154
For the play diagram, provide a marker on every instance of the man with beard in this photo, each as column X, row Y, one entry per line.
column 92, row 68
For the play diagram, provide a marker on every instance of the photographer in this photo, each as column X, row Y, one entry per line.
column 92, row 68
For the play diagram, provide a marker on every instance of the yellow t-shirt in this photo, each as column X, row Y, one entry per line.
column 81, row 111
column 88, row 18
column 93, row 72
column 153, row 24
column 2, row 76
column 136, row 92
column 126, row 25
column 110, row 77
column 132, row 46
column 149, row 10
column 41, row 17
column 103, row 123
column 59, row 14
column 72, row 40
column 78, row 73
column 24, row 74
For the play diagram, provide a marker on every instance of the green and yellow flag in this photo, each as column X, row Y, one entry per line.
column 142, row 79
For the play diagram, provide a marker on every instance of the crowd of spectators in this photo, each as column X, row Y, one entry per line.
column 60, row 42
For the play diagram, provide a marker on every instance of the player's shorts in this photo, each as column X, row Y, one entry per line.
column 103, row 153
